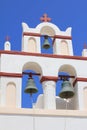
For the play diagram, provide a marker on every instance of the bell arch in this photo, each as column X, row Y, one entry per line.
column 49, row 31
column 67, row 70
column 11, row 95
column 64, row 47
column 32, row 67
column 32, row 45
column 49, row 25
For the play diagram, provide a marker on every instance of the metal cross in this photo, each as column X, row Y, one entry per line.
column 7, row 38
column 45, row 18
column 85, row 46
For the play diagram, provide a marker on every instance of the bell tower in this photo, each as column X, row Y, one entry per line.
column 61, row 88
column 62, row 58
column 52, row 68
column 61, row 40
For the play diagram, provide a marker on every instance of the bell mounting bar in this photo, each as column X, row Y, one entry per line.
column 63, row 77
column 41, row 35
column 31, row 73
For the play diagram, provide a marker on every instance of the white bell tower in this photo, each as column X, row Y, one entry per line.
column 49, row 110
column 62, row 40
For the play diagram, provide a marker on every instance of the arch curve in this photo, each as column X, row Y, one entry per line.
column 32, row 45
column 47, row 30
column 47, row 27
column 64, row 47
column 68, row 69
column 32, row 66
column 11, row 94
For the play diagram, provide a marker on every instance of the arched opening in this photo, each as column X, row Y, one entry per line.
column 64, row 48
column 32, row 45
column 32, row 67
column 7, row 46
column 11, row 95
column 49, row 31
column 69, row 72
column 68, row 69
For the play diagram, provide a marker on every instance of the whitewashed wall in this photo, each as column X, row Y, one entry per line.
column 58, row 121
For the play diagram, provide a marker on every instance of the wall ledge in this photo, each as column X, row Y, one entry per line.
column 43, row 55
column 42, row 112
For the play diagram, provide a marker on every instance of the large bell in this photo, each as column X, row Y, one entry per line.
column 67, row 90
column 46, row 44
column 31, row 87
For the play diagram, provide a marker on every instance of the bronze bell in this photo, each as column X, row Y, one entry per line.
column 31, row 87
column 46, row 44
column 67, row 90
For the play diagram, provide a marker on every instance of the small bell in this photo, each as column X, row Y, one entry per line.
column 67, row 90
column 46, row 44
column 31, row 87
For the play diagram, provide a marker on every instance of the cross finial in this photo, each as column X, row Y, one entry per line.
column 45, row 18
column 85, row 46
column 7, row 38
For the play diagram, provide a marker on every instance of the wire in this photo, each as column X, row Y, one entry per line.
column 66, row 107
column 32, row 103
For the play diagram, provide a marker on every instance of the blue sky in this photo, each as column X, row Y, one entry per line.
column 64, row 13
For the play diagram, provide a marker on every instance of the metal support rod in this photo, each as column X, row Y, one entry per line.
column 41, row 35
column 31, row 73
column 62, row 77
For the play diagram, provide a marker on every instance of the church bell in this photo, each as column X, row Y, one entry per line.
column 46, row 44
column 67, row 90
column 31, row 87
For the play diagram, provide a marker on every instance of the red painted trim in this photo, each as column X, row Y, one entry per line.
column 63, row 37
column 10, row 74
column 43, row 55
column 75, row 81
column 39, row 35
column 45, row 78
column 31, row 34
column 80, row 79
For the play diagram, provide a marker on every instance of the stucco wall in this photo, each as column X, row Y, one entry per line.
column 42, row 120
column 49, row 66
column 46, row 66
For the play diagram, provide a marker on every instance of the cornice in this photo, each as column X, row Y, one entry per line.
column 42, row 55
